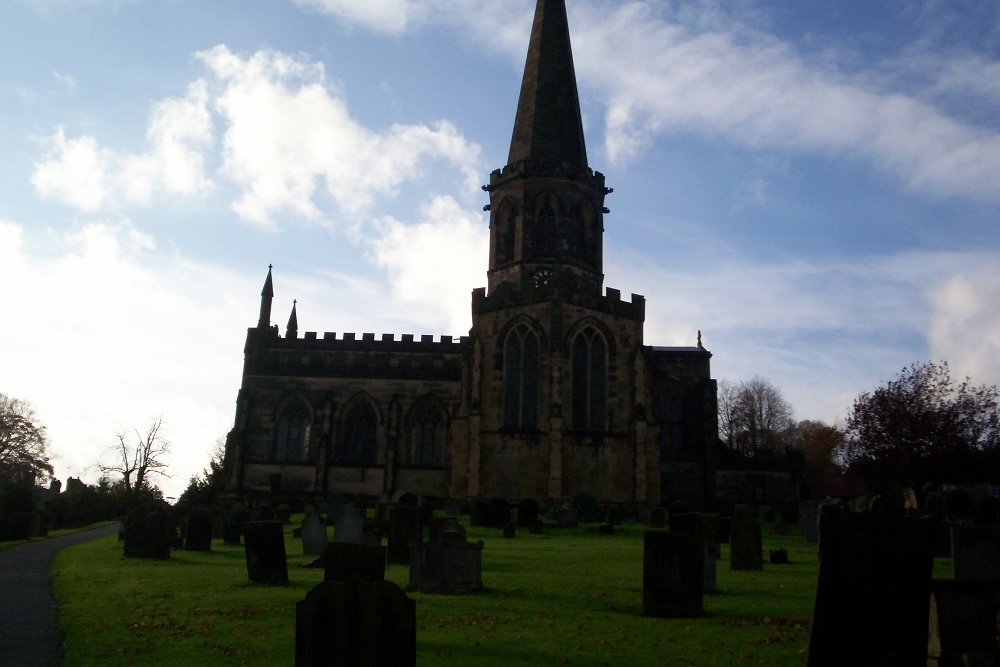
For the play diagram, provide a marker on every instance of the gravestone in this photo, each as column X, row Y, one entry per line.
column 349, row 525
column 445, row 528
column 356, row 623
column 872, row 589
column 809, row 520
column 567, row 518
column 313, row 534
column 708, row 528
column 779, row 557
column 346, row 561
column 232, row 527
column 975, row 552
column 452, row 507
column 510, row 530
column 963, row 624
column 446, row 566
column 147, row 532
column 657, row 517
column 264, row 546
column 218, row 524
column 672, row 570
column 404, row 529
column 199, row 530
column 283, row 513
column 745, row 543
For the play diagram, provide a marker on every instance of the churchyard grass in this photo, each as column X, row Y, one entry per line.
column 568, row 597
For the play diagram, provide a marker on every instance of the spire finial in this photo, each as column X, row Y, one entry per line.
column 292, row 330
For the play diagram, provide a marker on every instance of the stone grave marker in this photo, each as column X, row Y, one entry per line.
column 345, row 561
column 147, row 532
column 657, row 517
column 313, row 534
column 567, row 518
column 199, row 530
column 445, row 528
column 510, row 530
column 672, row 570
column 404, row 529
column 745, row 543
column 232, row 527
column 264, row 546
column 975, row 552
column 452, row 507
column 349, row 525
column 778, row 556
column 446, row 566
column 218, row 523
column 872, row 597
column 809, row 520
column 356, row 623
column 707, row 527
column 963, row 624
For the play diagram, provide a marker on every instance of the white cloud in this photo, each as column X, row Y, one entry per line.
column 287, row 131
column 81, row 173
column 965, row 321
column 433, row 265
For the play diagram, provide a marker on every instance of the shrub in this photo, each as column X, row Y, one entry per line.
column 17, row 508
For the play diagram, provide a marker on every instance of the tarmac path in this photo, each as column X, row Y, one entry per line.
column 29, row 614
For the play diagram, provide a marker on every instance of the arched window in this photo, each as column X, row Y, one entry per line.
column 545, row 232
column 428, row 434
column 520, row 379
column 506, row 219
column 358, row 436
column 291, row 442
column 589, row 367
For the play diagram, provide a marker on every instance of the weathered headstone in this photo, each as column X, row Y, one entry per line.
column 283, row 513
column 199, row 530
column 567, row 518
column 446, row 566
column 264, row 546
column 975, row 552
column 809, row 520
column 872, row 590
column 745, row 543
column 356, row 623
column 232, row 527
column 963, row 624
column 349, row 525
column 147, row 532
column 778, row 556
column 313, row 534
column 447, row 528
column 404, row 529
column 657, row 517
column 218, row 524
column 345, row 562
column 510, row 530
column 672, row 570
column 708, row 528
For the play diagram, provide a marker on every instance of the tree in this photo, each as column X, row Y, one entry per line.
column 924, row 427
column 203, row 489
column 23, row 442
column 753, row 416
column 819, row 443
column 137, row 457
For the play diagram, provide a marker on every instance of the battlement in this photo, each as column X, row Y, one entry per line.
column 368, row 341
column 610, row 302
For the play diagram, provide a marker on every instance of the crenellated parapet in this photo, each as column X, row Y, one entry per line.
column 508, row 296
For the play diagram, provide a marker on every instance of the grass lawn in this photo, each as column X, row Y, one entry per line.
column 569, row 597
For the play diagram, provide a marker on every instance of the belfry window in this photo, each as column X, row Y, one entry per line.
column 545, row 232
column 291, row 442
column 358, row 440
column 520, row 379
column 589, row 368
column 428, row 433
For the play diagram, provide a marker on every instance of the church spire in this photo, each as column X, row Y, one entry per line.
column 292, row 330
column 548, row 126
column 266, row 295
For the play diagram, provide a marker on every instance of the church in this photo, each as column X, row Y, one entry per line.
column 553, row 392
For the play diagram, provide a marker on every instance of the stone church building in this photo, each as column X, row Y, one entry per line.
column 553, row 391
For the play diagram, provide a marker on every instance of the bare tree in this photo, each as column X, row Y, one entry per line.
column 753, row 415
column 138, row 456
column 23, row 442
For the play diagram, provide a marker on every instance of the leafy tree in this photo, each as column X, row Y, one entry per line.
column 137, row 457
column 203, row 489
column 753, row 416
column 924, row 427
column 820, row 443
column 23, row 442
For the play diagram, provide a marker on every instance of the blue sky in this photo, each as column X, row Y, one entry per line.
column 814, row 186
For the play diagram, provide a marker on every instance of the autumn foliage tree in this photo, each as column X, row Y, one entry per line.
column 23, row 442
column 923, row 427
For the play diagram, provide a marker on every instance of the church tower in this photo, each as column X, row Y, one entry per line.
column 554, row 398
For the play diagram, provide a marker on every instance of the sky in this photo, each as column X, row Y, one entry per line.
column 815, row 187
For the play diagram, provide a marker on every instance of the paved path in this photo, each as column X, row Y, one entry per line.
column 29, row 615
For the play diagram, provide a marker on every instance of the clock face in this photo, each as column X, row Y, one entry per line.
column 541, row 278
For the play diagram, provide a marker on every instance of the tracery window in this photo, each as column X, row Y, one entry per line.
column 545, row 232
column 589, row 370
column 358, row 436
column 428, row 434
column 520, row 378
column 291, row 442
